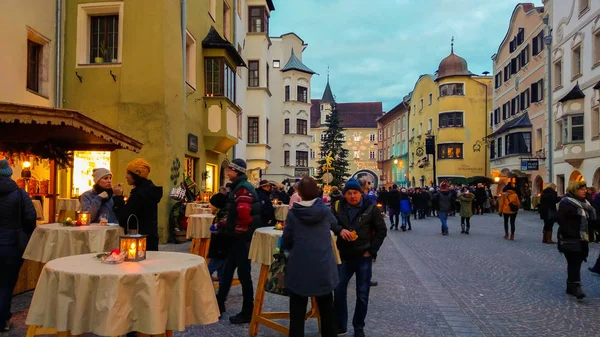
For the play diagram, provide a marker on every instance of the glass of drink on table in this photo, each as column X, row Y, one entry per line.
column 103, row 220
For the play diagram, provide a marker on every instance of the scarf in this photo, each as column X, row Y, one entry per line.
column 585, row 212
column 99, row 190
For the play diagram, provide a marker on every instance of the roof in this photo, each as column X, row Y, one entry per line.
column 402, row 107
column 28, row 124
column 597, row 86
column 352, row 115
column 327, row 94
column 214, row 41
column 270, row 4
column 527, row 8
column 575, row 93
column 295, row 64
column 522, row 121
column 453, row 65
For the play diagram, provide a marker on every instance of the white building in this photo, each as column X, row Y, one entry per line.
column 575, row 85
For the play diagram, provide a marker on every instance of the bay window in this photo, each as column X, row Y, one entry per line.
column 518, row 143
column 451, row 119
column 259, row 19
column 452, row 89
column 573, row 129
column 220, row 79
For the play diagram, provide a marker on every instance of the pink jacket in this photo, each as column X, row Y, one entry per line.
column 294, row 198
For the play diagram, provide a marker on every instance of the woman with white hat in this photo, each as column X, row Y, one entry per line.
column 98, row 201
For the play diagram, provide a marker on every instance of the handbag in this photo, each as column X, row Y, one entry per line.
column 569, row 245
column 513, row 207
column 275, row 283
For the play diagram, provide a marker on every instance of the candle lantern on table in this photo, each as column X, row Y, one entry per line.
column 133, row 244
column 84, row 218
column 206, row 196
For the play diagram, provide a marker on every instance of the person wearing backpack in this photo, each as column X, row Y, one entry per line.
column 509, row 207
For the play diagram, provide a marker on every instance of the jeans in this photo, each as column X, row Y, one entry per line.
column 574, row 261
column 405, row 220
column 513, row 218
column 362, row 267
column 298, row 313
column 444, row 219
column 238, row 258
column 10, row 267
column 394, row 217
column 216, row 265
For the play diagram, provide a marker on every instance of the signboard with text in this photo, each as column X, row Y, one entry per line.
column 530, row 165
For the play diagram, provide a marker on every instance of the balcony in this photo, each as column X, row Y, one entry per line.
column 221, row 128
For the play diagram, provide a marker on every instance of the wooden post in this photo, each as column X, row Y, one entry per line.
column 52, row 191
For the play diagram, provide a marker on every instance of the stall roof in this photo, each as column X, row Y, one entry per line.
column 35, row 124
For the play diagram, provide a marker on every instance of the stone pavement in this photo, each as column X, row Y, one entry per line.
column 456, row 285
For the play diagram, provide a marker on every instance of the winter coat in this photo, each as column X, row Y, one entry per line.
column 92, row 203
column 383, row 197
column 569, row 222
column 372, row 197
column 282, row 196
column 143, row 203
column 466, row 204
column 394, row 199
column 311, row 266
column 13, row 199
column 480, row 195
column 547, row 207
column 335, row 196
column 405, row 203
column 369, row 226
column 508, row 197
column 267, row 212
column 220, row 243
column 294, row 198
column 445, row 201
column 243, row 208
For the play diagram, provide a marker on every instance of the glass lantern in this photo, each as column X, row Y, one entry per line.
column 84, row 218
column 133, row 244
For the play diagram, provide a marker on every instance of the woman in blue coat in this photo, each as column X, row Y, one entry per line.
column 311, row 267
column 405, row 209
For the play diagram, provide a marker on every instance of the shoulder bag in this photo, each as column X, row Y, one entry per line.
column 275, row 283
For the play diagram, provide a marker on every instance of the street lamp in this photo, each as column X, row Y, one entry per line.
column 497, row 179
column 395, row 161
column 548, row 43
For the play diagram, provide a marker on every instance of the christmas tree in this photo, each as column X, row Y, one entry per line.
column 333, row 146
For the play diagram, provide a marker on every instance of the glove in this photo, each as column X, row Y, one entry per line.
column 103, row 195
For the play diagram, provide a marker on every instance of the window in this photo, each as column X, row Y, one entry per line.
column 518, row 143
column 524, row 57
column 492, row 149
column 521, row 36
column 506, row 110
column 253, row 74
column 286, row 158
column 220, row 78
column 513, row 44
column 429, row 125
column 539, row 140
column 498, row 80
column 302, row 94
column 596, row 38
column 312, row 154
column 573, row 129
column 356, row 137
column 380, row 155
column 380, row 135
column 226, row 21
column 514, row 106
column 499, row 152
column 301, row 158
column 276, row 64
column 576, row 62
column 451, row 119
column 525, row 99
column 557, row 74
column 537, row 91
column 450, row 151
column 312, row 137
column 491, row 119
column 583, row 6
column 507, row 73
column 34, row 53
column 104, row 38
column 190, row 60
column 301, row 127
column 323, row 136
column 372, row 155
column 259, row 20
column 252, row 130
column 514, row 65
column 372, row 137
column 430, row 98
column 267, row 75
column 356, row 154
column 559, row 139
column 421, row 104
column 286, row 126
column 404, row 123
column 496, row 116
column 538, row 44
column 452, row 89
column 595, row 121
column 287, row 95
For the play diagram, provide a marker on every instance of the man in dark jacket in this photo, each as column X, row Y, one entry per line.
column 267, row 212
column 548, row 213
column 244, row 216
column 480, row 198
column 355, row 214
column 445, row 200
column 143, row 202
column 393, row 198
column 17, row 214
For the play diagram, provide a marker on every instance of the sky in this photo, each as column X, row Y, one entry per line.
column 377, row 49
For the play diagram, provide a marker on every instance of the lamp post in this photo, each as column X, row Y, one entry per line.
column 548, row 43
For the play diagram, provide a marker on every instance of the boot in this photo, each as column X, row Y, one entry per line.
column 241, row 318
column 575, row 289
column 544, row 237
column 512, row 237
column 549, row 238
column 505, row 236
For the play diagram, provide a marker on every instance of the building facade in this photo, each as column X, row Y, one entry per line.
column 450, row 107
column 360, row 123
column 392, row 145
column 518, row 121
column 575, row 72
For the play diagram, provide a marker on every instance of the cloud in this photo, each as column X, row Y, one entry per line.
column 377, row 49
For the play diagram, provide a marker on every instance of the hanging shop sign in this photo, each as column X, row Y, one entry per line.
column 530, row 165
column 192, row 142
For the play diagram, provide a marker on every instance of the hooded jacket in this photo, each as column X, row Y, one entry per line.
column 405, row 203
column 243, row 209
column 10, row 197
column 508, row 197
column 445, row 200
column 91, row 202
column 311, row 267
column 466, row 204
column 143, row 203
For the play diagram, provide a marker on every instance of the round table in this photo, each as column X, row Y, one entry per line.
column 167, row 291
column 51, row 241
column 281, row 212
column 199, row 230
column 193, row 208
column 264, row 242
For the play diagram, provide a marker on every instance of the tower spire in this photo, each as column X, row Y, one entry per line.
column 452, row 46
column 327, row 73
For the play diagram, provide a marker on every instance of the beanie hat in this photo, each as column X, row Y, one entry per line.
column 443, row 185
column 238, row 165
column 264, row 183
column 140, row 167
column 99, row 173
column 352, row 184
column 5, row 170
column 219, row 200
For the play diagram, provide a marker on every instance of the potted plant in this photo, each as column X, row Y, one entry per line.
column 102, row 53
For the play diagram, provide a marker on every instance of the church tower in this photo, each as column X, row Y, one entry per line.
column 327, row 102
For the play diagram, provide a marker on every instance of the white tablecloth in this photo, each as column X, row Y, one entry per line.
column 63, row 204
column 167, row 291
column 193, row 208
column 281, row 212
column 199, row 226
column 38, row 209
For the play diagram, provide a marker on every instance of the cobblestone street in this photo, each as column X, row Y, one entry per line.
column 456, row 285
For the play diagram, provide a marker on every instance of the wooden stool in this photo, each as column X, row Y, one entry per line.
column 34, row 330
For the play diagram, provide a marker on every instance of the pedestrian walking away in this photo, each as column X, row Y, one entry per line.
column 548, row 213
column 509, row 207
column 466, row 210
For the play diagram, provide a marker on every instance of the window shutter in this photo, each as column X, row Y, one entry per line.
column 534, row 92
column 541, row 90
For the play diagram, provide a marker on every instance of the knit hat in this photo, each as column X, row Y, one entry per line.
column 219, row 200
column 352, row 184
column 238, row 165
column 5, row 170
column 99, row 173
column 140, row 167
column 443, row 186
column 264, row 183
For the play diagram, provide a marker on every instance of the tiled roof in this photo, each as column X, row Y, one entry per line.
column 328, row 95
column 575, row 93
column 295, row 64
column 597, row 86
column 214, row 41
column 352, row 115
column 520, row 122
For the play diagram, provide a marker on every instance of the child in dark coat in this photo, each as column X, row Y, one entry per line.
column 219, row 241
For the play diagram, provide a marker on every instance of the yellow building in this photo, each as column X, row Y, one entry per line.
column 162, row 75
column 360, row 123
column 451, row 107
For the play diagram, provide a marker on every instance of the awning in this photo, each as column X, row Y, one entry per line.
column 575, row 93
column 522, row 121
column 28, row 124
